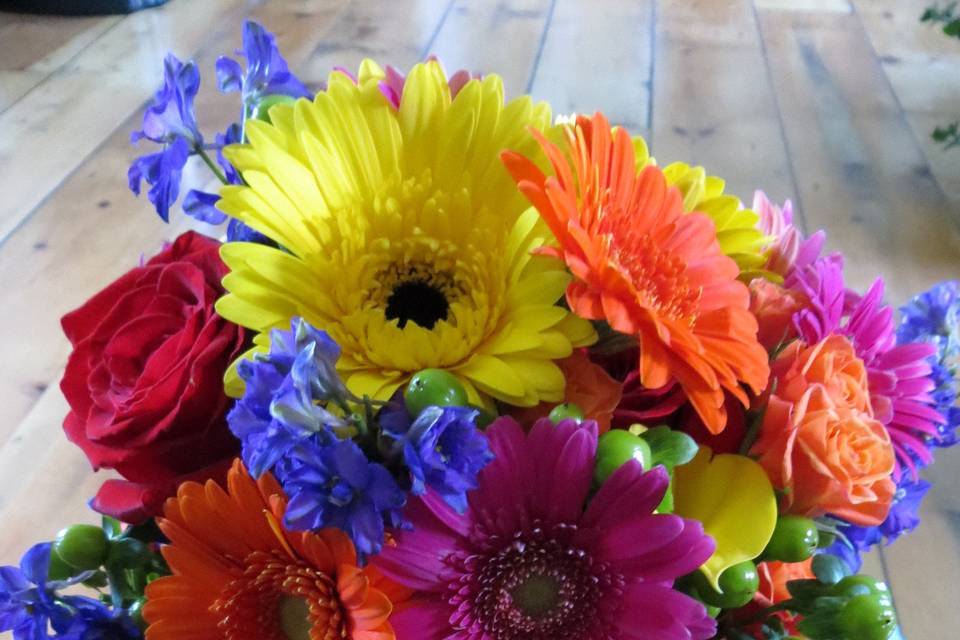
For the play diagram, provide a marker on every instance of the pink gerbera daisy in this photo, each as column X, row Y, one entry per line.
column 527, row 560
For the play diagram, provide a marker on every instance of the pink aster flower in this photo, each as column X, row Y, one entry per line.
column 788, row 249
column 899, row 375
column 527, row 560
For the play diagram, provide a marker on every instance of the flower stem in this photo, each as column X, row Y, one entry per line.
column 210, row 163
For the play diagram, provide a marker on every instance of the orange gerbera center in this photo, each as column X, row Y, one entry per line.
column 660, row 277
column 278, row 598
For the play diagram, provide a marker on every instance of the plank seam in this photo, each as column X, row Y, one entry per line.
column 903, row 112
column 65, row 63
column 543, row 41
column 436, row 32
column 798, row 209
column 652, row 71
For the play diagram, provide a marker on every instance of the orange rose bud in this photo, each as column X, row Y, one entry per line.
column 819, row 441
column 773, row 306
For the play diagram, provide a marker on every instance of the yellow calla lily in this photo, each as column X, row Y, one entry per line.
column 733, row 498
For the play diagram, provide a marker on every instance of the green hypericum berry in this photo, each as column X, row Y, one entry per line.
column 59, row 569
column 738, row 584
column 615, row 448
column 826, row 539
column 867, row 617
column 566, row 411
column 262, row 110
column 794, row 539
column 858, row 585
column 82, row 546
column 433, row 388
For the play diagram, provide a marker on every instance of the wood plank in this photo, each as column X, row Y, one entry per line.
column 599, row 60
column 712, row 101
column 68, row 262
column 396, row 33
column 924, row 567
column 923, row 67
column 866, row 181
column 48, row 480
column 495, row 37
column 34, row 47
column 864, row 178
column 832, row 6
column 35, row 152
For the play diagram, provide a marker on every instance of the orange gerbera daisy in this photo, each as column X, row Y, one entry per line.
column 645, row 266
column 238, row 574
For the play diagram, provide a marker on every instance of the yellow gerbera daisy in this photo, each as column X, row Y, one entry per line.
column 403, row 237
column 736, row 226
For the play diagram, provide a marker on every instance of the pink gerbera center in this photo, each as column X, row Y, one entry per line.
column 537, row 585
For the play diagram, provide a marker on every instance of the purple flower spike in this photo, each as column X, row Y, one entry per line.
column 267, row 72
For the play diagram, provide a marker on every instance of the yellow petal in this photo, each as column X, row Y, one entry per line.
column 733, row 498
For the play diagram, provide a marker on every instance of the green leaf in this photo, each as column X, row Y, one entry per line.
column 670, row 448
column 112, row 527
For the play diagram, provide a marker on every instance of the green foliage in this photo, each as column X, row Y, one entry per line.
column 948, row 136
column 947, row 16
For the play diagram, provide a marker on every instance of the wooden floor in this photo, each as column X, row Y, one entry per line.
column 827, row 102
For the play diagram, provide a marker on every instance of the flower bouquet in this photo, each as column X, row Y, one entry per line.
column 460, row 369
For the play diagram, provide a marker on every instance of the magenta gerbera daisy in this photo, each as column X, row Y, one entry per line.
column 533, row 558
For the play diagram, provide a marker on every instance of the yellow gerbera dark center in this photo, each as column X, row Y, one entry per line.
column 417, row 293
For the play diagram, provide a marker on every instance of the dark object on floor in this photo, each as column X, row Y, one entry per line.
column 78, row 7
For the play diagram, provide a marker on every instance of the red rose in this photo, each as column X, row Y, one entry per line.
column 145, row 379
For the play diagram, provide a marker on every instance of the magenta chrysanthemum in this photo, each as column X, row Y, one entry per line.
column 899, row 374
column 526, row 560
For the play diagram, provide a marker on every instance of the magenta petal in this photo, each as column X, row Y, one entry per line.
column 416, row 561
column 684, row 553
column 564, row 461
column 457, row 522
column 658, row 612
column 504, row 482
column 628, row 492
column 638, row 537
column 422, row 620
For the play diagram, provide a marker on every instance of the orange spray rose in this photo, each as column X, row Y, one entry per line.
column 819, row 441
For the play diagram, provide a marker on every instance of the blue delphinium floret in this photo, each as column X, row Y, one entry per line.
column 170, row 116
column 91, row 620
column 267, row 72
column 169, row 121
column 442, row 448
column 30, row 605
column 291, row 422
column 336, row 485
column 162, row 171
column 279, row 408
column 26, row 601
